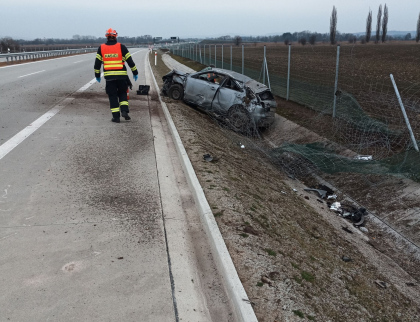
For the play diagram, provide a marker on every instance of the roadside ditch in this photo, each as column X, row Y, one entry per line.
column 296, row 258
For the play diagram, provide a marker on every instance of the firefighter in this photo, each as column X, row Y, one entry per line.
column 113, row 55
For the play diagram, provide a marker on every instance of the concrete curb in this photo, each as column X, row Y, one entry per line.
column 232, row 283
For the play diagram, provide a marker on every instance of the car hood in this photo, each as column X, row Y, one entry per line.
column 174, row 72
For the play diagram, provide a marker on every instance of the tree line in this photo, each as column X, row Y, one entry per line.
column 381, row 27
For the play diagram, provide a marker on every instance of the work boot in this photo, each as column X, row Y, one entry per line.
column 125, row 115
column 115, row 119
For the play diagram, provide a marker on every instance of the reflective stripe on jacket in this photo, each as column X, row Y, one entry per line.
column 114, row 72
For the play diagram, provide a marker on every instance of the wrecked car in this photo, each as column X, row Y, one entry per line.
column 243, row 102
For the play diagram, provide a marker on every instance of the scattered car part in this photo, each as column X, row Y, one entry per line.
column 347, row 230
column 336, row 206
column 381, row 283
column 358, row 217
column 143, row 90
column 207, row 157
column 363, row 157
column 322, row 193
column 346, row 259
column 265, row 280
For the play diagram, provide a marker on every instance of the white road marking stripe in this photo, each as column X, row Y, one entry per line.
column 77, row 61
column 14, row 141
column 32, row 73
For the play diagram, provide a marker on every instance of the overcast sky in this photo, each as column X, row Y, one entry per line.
column 29, row 19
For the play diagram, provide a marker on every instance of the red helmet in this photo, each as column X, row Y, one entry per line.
column 111, row 33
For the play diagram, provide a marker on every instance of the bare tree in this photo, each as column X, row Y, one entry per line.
column 369, row 26
column 378, row 24
column 418, row 29
column 237, row 40
column 385, row 23
column 312, row 39
column 333, row 26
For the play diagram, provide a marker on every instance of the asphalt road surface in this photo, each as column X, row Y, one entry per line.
column 96, row 219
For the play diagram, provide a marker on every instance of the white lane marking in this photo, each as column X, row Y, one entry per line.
column 77, row 61
column 13, row 142
column 32, row 73
column 8, row 236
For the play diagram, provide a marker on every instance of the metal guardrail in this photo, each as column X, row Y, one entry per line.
column 42, row 54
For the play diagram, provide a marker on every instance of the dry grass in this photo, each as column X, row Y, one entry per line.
column 287, row 255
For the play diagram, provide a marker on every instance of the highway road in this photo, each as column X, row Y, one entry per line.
column 96, row 219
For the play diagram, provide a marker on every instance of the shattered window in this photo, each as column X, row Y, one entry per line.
column 230, row 83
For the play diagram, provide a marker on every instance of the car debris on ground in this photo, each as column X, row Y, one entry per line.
column 355, row 215
column 363, row 157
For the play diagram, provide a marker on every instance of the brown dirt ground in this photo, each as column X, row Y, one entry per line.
column 287, row 246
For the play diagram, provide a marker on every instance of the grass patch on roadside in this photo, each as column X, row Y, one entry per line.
column 270, row 252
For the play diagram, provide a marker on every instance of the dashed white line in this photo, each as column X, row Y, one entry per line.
column 32, row 73
column 79, row 61
column 13, row 142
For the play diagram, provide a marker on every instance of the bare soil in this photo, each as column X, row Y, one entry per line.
column 291, row 252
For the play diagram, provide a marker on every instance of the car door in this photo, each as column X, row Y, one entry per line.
column 200, row 90
column 229, row 94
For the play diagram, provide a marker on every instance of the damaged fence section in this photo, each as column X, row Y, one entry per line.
column 340, row 118
column 344, row 93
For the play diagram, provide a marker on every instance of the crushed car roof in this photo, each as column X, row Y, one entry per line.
column 251, row 83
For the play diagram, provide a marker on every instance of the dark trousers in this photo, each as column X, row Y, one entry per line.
column 117, row 93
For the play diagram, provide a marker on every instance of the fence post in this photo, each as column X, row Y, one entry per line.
column 222, row 56
column 215, row 53
column 199, row 48
column 336, row 79
column 407, row 122
column 231, row 66
column 243, row 69
column 204, row 54
column 209, row 55
column 288, row 74
column 264, row 65
column 268, row 74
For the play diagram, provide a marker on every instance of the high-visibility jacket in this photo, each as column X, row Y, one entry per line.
column 113, row 55
column 113, row 60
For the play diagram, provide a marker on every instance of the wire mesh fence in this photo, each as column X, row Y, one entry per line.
column 367, row 119
column 340, row 115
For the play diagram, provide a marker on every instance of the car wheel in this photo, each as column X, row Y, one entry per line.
column 176, row 92
column 239, row 119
